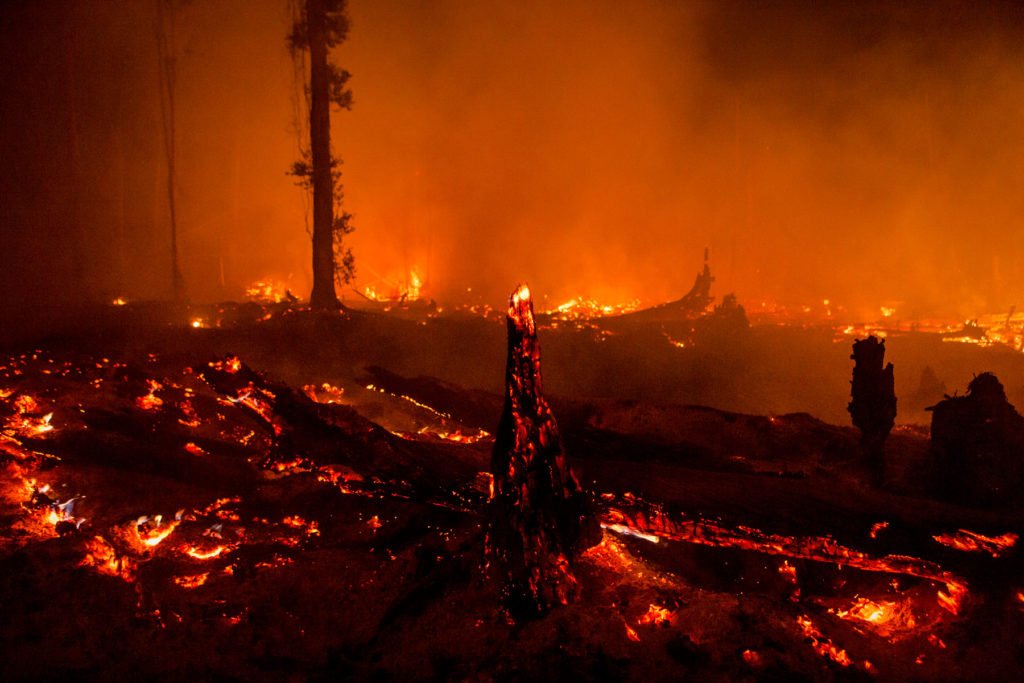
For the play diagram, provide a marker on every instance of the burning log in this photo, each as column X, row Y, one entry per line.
column 977, row 440
column 873, row 404
column 540, row 517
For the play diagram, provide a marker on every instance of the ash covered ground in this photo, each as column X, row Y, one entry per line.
column 279, row 493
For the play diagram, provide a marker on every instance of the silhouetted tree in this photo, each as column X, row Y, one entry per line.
column 977, row 442
column 873, row 404
column 166, row 52
column 320, row 26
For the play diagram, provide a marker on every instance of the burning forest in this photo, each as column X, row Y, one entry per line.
column 454, row 367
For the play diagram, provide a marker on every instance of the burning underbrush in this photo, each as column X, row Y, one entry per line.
column 185, row 514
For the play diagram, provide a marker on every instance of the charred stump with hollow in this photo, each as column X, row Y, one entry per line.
column 539, row 516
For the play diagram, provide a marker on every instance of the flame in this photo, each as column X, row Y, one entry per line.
column 415, row 285
column 197, row 323
column 119, row 301
column 522, row 293
column 267, row 292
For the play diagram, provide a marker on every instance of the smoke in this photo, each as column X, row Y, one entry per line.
column 868, row 153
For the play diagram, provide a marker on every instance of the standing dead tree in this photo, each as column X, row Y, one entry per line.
column 167, row 68
column 321, row 25
column 873, row 404
column 539, row 516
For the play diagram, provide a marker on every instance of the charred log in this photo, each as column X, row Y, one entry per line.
column 873, row 404
column 977, row 441
column 692, row 304
column 540, row 517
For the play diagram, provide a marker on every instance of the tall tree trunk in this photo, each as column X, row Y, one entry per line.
column 323, row 295
column 165, row 49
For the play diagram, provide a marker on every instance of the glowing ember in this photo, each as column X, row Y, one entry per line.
column 630, row 531
column 457, row 436
column 296, row 522
column 656, row 615
column 194, row 449
column 207, row 554
column 887, row 618
column 582, row 308
column 150, row 401
column 151, row 531
column 877, row 528
column 119, row 301
column 325, row 393
column 822, row 645
column 27, row 422
column 969, row 541
column 102, row 557
column 650, row 522
column 631, row 634
column 231, row 365
column 193, row 581
column 952, row 601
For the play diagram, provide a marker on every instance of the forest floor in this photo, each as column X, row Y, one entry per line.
column 262, row 492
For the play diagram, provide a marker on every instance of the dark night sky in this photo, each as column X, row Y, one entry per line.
column 867, row 152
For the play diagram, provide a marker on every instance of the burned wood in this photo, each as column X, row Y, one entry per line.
column 873, row 404
column 691, row 304
column 540, row 517
column 331, row 434
column 977, row 441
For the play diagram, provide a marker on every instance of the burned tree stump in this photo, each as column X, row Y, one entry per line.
column 977, row 442
column 873, row 404
column 539, row 517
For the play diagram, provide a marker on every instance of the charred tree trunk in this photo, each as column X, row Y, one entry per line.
column 167, row 76
column 873, row 404
column 323, row 295
column 540, row 518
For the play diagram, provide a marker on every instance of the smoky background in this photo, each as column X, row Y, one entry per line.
column 869, row 153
